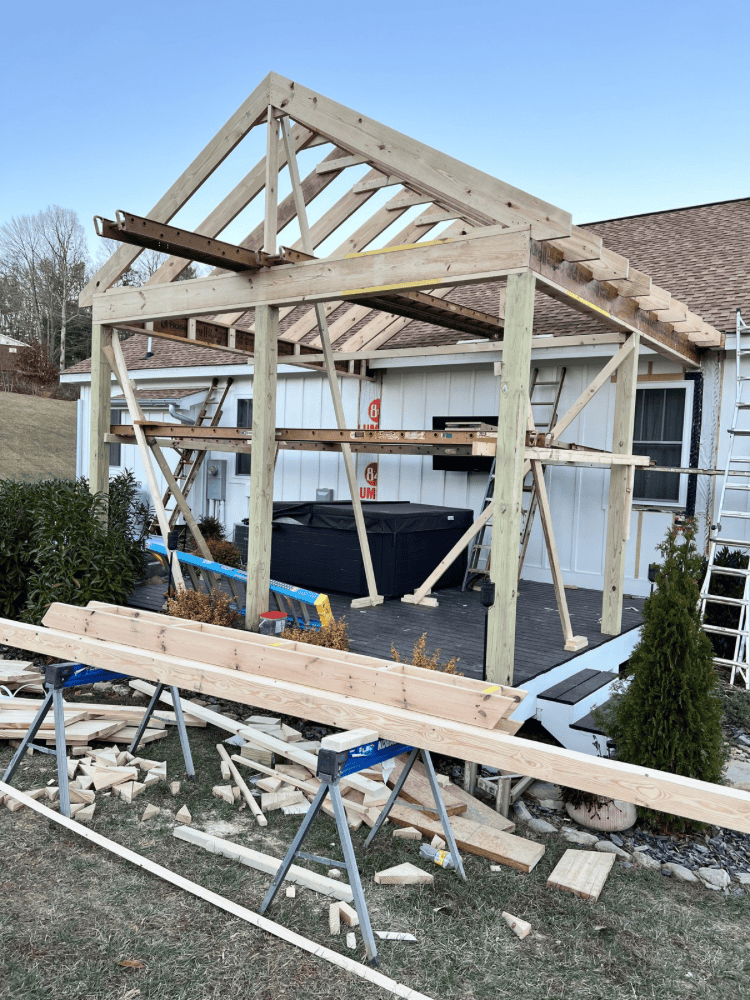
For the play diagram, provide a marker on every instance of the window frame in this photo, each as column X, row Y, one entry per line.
column 688, row 386
column 115, row 447
column 243, row 458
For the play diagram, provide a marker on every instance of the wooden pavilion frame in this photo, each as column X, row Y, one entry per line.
column 497, row 233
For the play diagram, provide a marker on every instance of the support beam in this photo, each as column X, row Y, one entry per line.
column 373, row 597
column 252, row 111
column 260, row 512
column 99, row 413
column 619, row 498
column 509, row 473
column 466, row 259
column 117, row 362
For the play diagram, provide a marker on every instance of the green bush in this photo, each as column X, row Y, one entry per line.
column 58, row 542
column 725, row 615
column 669, row 717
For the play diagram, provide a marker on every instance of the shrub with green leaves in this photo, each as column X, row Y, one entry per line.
column 58, row 542
column 669, row 717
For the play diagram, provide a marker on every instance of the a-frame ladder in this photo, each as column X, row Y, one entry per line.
column 475, row 568
column 735, row 482
column 190, row 460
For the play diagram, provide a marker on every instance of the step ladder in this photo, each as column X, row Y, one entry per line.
column 190, row 461
column 735, row 482
column 478, row 562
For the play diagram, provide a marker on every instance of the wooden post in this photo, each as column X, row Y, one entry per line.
column 622, row 444
column 99, row 413
column 509, row 472
column 373, row 597
column 266, row 353
column 263, row 461
column 118, row 366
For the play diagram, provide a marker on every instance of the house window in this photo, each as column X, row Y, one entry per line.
column 242, row 460
column 660, row 432
column 115, row 450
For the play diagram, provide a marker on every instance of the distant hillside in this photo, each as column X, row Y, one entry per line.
column 37, row 437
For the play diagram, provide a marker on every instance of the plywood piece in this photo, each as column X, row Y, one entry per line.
column 405, row 874
column 18, row 672
column 91, row 729
column 127, row 735
column 475, row 838
column 417, row 789
column 582, row 873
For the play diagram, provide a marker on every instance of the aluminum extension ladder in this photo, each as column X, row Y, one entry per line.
column 735, row 482
column 190, row 461
column 475, row 566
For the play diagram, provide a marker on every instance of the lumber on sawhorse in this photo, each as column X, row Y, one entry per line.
column 263, row 923
column 697, row 800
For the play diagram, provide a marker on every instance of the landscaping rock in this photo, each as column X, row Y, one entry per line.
column 546, row 794
column 579, row 836
column 680, row 872
column 737, row 774
column 521, row 812
column 541, row 826
column 714, row 878
column 743, row 878
column 607, row 847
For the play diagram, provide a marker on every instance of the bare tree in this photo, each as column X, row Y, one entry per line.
column 67, row 257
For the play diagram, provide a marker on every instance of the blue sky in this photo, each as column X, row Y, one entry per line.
column 602, row 109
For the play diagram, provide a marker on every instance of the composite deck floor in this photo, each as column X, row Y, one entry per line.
column 457, row 625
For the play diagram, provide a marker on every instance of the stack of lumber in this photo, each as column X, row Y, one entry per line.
column 20, row 673
column 84, row 721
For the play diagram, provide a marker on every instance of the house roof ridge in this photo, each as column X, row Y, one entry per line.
column 666, row 211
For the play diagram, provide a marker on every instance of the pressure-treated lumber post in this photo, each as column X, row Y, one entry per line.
column 509, row 471
column 265, row 351
column 373, row 597
column 99, row 413
column 264, row 454
column 622, row 444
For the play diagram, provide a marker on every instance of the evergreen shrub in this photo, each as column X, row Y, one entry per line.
column 669, row 717
column 58, row 542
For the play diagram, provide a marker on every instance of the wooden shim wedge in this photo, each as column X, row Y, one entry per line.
column 581, row 872
column 698, row 800
column 263, row 923
column 264, row 862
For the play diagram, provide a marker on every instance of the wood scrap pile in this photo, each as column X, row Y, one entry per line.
column 84, row 722
column 115, row 772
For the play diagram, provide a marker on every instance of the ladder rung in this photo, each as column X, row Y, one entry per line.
column 734, row 513
column 739, row 433
column 730, row 487
column 730, row 541
column 728, row 570
column 481, row 545
column 720, row 630
column 734, row 601
column 731, row 663
column 746, row 460
column 537, row 384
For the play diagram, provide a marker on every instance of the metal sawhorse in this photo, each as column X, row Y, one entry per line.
column 332, row 767
column 58, row 676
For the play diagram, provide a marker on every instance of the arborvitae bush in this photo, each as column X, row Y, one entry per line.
column 669, row 718
column 58, row 542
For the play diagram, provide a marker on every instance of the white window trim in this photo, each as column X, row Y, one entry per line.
column 689, row 386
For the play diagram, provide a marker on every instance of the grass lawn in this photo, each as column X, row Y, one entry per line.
column 37, row 437
column 71, row 914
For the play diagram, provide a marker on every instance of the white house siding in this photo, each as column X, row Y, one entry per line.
column 411, row 396
column 579, row 497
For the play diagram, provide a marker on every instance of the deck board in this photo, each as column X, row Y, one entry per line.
column 457, row 625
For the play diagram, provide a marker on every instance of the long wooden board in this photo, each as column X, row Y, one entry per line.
column 475, row 838
column 20, row 720
column 417, row 789
column 264, row 863
column 581, row 872
column 698, row 800
column 239, row 651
